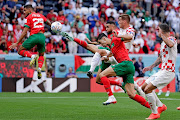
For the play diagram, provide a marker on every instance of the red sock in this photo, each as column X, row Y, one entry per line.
column 113, row 82
column 25, row 53
column 107, row 85
column 40, row 61
column 168, row 87
column 141, row 100
column 81, row 42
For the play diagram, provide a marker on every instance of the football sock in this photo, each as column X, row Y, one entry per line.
column 81, row 42
column 152, row 102
column 113, row 82
column 139, row 90
column 40, row 61
column 107, row 86
column 95, row 61
column 158, row 102
column 141, row 100
column 25, row 53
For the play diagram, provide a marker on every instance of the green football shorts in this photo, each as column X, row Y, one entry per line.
column 125, row 70
column 35, row 39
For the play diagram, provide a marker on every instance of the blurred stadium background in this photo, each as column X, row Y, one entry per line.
column 67, row 62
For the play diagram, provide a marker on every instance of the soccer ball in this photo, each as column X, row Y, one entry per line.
column 56, row 27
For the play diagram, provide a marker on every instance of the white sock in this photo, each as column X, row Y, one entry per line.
column 139, row 90
column 95, row 60
column 152, row 102
column 45, row 86
column 158, row 102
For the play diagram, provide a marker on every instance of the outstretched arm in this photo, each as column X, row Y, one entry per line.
column 157, row 62
column 90, row 42
column 48, row 22
column 20, row 39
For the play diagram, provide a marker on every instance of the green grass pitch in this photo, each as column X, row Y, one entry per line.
column 79, row 106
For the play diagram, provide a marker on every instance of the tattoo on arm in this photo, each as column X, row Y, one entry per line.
column 157, row 62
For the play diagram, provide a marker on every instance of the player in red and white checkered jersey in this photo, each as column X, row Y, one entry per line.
column 168, row 54
column 126, row 31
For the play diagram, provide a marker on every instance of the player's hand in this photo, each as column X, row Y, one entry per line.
column 87, row 40
column 105, row 58
column 146, row 69
column 13, row 46
column 115, row 33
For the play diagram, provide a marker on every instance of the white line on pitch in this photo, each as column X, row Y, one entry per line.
column 70, row 98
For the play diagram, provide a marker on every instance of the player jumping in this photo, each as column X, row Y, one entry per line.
column 168, row 54
column 34, row 24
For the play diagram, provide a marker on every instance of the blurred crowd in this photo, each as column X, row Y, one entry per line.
column 87, row 18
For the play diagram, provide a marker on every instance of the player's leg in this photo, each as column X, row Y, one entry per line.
column 41, row 49
column 106, row 82
column 96, row 60
column 98, row 80
column 24, row 52
column 160, row 92
column 139, row 90
column 152, row 101
column 44, row 81
column 129, row 86
column 168, row 90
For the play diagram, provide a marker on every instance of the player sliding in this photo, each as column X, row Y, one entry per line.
column 168, row 53
column 34, row 24
column 124, row 68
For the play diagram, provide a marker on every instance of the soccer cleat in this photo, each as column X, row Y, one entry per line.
column 64, row 34
column 110, row 100
column 167, row 93
column 33, row 59
column 178, row 108
column 39, row 73
column 90, row 74
column 153, row 116
column 161, row 109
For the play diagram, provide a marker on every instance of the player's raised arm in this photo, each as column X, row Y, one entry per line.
column 20, row 39
column 164, row 36
column 48, row 22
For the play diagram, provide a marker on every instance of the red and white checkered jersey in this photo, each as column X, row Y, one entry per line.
column 168, row 55
column 130, row 30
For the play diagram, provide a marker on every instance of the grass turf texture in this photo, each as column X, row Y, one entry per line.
column 79, row 106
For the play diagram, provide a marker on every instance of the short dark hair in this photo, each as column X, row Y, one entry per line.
column 125, row 17
column 111, row 22
column 164, row 27
column 28, row 6
column 100, row 36
column 133, row 58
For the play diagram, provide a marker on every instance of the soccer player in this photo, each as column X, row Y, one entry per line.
column 34, row 24
column 168, row 53
column 124, row 68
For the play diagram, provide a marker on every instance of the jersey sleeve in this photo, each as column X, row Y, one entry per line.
column 27, row 22
column 172, row 39
column 44, row 18
column 130, row 31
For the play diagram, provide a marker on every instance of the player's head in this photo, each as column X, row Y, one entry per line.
column 164, row 28
column 110, row 26
column 123, row 20
column 28, row 9
column 101, row 39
